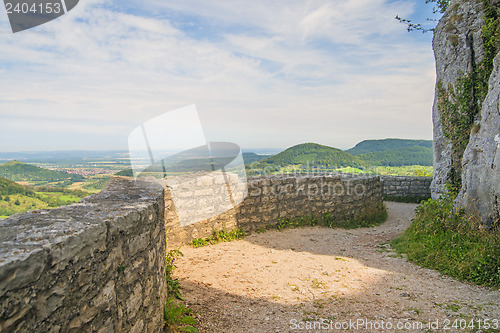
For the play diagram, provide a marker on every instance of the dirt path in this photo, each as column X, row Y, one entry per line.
column 334, row 279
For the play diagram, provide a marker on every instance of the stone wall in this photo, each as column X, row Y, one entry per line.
column 94, row 266
column 272, row 198
column 99, row 265
column 401, row 187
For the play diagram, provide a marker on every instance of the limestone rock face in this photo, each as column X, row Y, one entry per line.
column 481, row 162
column 458, row 48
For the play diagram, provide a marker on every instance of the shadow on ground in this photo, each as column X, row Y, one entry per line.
column 286, row 281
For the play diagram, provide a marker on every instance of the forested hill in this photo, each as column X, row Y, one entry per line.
column 8, row 187
column 387, row 152
column 413, row 155
column 368, row 153
column 18, row 171
column 372, row 146
column 312, row 154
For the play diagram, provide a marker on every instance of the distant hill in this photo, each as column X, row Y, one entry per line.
column 372, row 146
column 18, row 171
column 125, row 172
column 252, row 157
column 413, row 155
column 313, row 154
column 388, row 152
column 8, row 187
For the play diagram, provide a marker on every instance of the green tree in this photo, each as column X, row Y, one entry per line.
column 441, row 6
column 7, row 198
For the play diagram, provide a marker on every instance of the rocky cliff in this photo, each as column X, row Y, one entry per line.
column 466, row 112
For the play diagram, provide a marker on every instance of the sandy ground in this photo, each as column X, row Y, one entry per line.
column 319, row 279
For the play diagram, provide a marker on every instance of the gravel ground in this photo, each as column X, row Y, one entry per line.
column 327, row 280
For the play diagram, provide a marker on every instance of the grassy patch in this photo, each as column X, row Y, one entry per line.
column 43, row 198
column 411, row 170
column 446, row 239
column 96, row 183
column 218, row 236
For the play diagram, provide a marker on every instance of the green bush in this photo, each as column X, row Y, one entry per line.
column 447, row 239
column 177, row 318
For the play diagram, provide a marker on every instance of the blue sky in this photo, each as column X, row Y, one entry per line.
column 269, row 74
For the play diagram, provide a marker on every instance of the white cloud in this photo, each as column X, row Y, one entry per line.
column 333, row 72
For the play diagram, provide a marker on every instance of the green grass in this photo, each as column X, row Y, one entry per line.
column 95, row 184
column 411, row 170
column 218, row 236
column 20, row 203
column 452, row 242
column 26, row 203
column 350, row 170
column 55, row 199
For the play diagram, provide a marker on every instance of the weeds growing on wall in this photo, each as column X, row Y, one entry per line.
column 459, row 104
column 218, row 236
column 372, row 216
column 445, row 238
column 176, row 317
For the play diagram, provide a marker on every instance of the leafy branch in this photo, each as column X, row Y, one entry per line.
column 441, row 6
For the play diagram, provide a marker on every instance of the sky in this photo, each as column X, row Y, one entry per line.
column 261, row 73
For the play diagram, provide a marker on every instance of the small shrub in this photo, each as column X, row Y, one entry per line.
column 173, row 285
column 199, row 242
column 218, row 236
column 298, row 222
column 176, row 317
column 120, row 269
